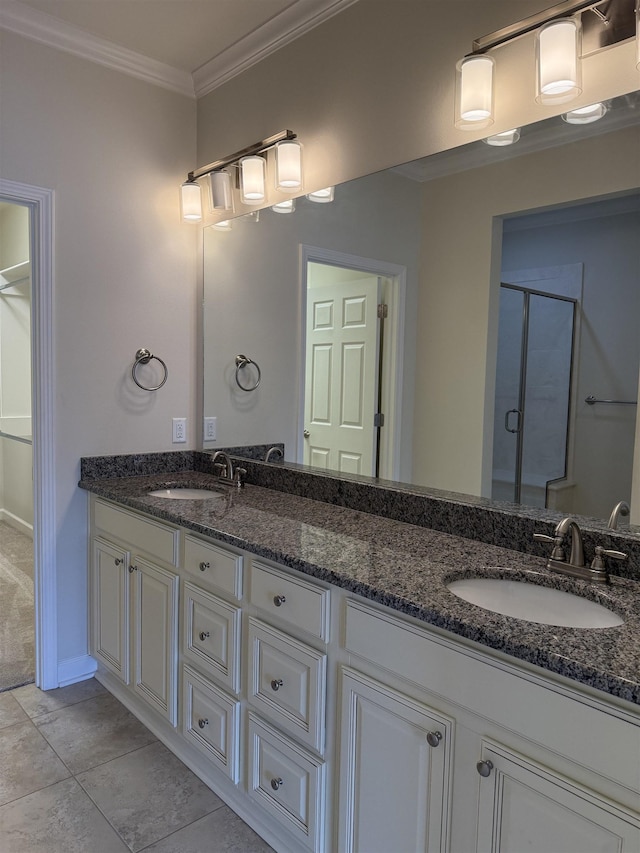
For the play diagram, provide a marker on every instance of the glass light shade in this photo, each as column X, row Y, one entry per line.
column 474, row 92
column 286, row 206
column 253, row 179
column 585, row 115
column 288, row 166
column 191, row 202
column 223, row 225
column 221, row 192
column 507, row 137
column 558, row 61
column 322, row 196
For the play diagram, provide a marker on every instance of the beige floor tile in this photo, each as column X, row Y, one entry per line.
column 10, row 710
column 57, row 819
column 92, row 732
column 27, row 762
column 148, row 794
column 220, row 832
column 37, row 702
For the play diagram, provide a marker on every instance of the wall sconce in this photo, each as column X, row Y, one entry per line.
column 323, row 196
column 252, row 169
column 564, row 34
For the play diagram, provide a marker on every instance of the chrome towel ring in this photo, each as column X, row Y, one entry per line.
column 144, row 356
column 241, row 362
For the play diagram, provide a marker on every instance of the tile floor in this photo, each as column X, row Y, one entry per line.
column 80, row 774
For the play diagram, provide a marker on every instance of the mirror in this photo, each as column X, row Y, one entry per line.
column 442, row 235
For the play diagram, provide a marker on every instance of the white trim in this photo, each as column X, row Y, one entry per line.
column 72, row 670
column 293, row 22
column 290, row 24
column 44, row 28
column 40, row 203
column 16, row 522
column 392, row 390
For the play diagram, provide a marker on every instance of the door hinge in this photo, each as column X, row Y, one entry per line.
column 378, row 419
column 383, row 311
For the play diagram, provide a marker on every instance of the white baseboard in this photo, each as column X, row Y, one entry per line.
column 76, row 669
column 18, row 523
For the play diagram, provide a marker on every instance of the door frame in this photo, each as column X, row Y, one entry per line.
column 392, row 356
column 40, row 203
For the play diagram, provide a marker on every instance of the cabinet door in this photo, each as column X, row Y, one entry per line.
column 394, row 785
column 524, row 806
column 155, row 633
column 110, row 607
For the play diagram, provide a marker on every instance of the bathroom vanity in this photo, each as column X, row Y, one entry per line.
column 308, row 662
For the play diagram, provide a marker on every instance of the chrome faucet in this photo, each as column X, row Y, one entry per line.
column 228, row 474
column 273, row 451
column 621, row 508
column 575, row 567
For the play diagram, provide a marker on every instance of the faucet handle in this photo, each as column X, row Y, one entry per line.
column 598, row 561
column 556, row 541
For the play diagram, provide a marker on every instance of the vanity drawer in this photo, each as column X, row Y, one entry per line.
column 292, row 600
column 288, row 683
column 211, row 722
column 211, row 635
column 288, row 782
column 214, row 566
column 151, row 537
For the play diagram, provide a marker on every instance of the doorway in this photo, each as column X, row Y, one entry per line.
column 17, row 655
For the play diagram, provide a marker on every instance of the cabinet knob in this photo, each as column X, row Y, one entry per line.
column 202, row 722
column 276, row 684
column 279, row 600
column 132, row 569
column 203, row 635
column 204, row 566
column 484, row 768
column 434, row 738
column 118, row 561
column 277, row 783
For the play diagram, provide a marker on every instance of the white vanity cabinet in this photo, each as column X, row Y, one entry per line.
column 134, row 604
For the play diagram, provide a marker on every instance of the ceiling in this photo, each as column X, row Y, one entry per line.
column 189, row 45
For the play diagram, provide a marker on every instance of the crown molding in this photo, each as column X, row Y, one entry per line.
column 44, row 28
column 288, row 25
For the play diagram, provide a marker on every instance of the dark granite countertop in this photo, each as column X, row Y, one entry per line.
column 404, row 567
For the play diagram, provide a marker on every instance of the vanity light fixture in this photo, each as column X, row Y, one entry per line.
column 223, row 225
column 250, row 164
column 585, row 115
column 323, row 196
column 507, row 137
column 564, row 33
column 287, row 205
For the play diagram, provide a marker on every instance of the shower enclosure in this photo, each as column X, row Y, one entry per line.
column 533, row 394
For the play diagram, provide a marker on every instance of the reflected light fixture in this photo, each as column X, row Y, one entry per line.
column 506, row 137
column 585, row 115
column 288, row 205
column 322, row 196
column 223, row 225
column 288, row 166
column 251, row 163
column 564, row 33
column 191, row 202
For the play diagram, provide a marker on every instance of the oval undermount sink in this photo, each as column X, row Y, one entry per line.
column 180, row 494
column 534, row 603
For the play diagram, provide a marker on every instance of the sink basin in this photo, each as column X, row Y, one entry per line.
column 534, row 603
column 179, row 494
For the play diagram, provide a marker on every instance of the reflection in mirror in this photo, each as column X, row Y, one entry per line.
column 556, row 224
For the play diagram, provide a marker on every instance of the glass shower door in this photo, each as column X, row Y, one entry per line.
column 533, row 389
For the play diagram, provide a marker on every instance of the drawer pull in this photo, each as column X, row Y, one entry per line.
column 279, row 600
column 484, row 768
column 203, row 635
column 276, row 684
column 118, row 561
column 277, row 783
column 133, row 569
column 202, row 722
column 204, row 566
column 434, row 738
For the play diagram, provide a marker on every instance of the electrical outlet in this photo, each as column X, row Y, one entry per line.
column 210, row 425
column 179, row 430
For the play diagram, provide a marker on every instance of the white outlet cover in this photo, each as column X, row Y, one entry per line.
column 179, row 434
column 210, row 428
